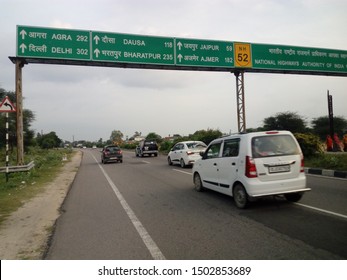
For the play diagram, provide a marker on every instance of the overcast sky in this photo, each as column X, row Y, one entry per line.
column 90, row 102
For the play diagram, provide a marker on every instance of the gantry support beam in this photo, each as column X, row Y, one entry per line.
column 240, row 98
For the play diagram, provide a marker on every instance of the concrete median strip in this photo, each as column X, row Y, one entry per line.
column 326, row 172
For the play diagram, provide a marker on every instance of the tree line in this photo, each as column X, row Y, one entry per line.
column 291, row 121
column 46, row 141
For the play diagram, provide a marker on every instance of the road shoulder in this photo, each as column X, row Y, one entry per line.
column 24, row 235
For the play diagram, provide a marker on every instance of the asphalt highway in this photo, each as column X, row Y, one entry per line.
column 144, row 209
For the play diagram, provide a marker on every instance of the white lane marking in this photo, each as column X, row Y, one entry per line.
column 146, row 161
column 146, row 238
column 184, row 172
column 322, row 210
column 303, row 205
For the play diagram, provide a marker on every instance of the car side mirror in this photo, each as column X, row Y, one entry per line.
column 203, row 155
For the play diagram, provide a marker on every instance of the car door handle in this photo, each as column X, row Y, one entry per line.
column 215, row 164
column 233, row 163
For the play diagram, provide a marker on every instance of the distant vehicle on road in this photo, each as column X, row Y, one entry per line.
column 251, row 165
column 111, row 153
column 147, row 147
column 186, row 153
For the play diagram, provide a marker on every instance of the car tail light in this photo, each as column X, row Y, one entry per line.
column 190, row 153
column 251, row 169
column 271, row 132
column 302, row 164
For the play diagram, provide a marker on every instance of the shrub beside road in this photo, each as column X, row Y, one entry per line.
column 22, row 186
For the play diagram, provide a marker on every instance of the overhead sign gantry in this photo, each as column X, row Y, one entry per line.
column 96, row 48
column 81, row 47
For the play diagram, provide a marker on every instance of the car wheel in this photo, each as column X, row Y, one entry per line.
column 293, row 197
column 198, row 183
column 169, row 161
column 240, row 196
column 183, row 165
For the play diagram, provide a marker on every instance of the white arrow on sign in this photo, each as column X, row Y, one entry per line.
column 23, row 47
column 96, row 38
column 23, row 33
column 179, row 44
column 179, row 57
column 97, row 52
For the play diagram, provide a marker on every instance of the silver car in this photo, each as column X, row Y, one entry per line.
column 186, row 153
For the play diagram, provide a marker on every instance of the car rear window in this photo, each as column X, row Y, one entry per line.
column 152, row 145
column 196, row 145
column 112, row 149
column 274, row 145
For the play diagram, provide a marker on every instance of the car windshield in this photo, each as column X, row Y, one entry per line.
column 196, row 145
column 112, row 149
column 274, row 145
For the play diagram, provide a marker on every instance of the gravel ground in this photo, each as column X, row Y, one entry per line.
column 25, row 234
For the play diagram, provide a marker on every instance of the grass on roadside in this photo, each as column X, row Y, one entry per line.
column 22, row 186
column 333, row 161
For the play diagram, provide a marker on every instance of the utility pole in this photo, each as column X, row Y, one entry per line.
column 19, row 99
column 331, row 115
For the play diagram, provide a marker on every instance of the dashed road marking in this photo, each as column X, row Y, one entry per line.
column 322, row 210
column 184, row 172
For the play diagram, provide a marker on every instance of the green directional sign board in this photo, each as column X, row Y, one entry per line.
column 204, row 53
column 289, row 58
column 116, row 47
column 175, row 53
column 53, row 43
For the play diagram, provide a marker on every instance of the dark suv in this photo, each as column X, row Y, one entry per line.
column 147, row 147
column 111, row 153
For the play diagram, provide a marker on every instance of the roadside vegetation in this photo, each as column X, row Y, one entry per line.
column 22, row 186
column 332, row 161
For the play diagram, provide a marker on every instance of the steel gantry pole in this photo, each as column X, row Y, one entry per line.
column 240, row 98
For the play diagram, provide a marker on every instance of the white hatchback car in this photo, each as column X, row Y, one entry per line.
column 186, row 152
column 251, row 165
